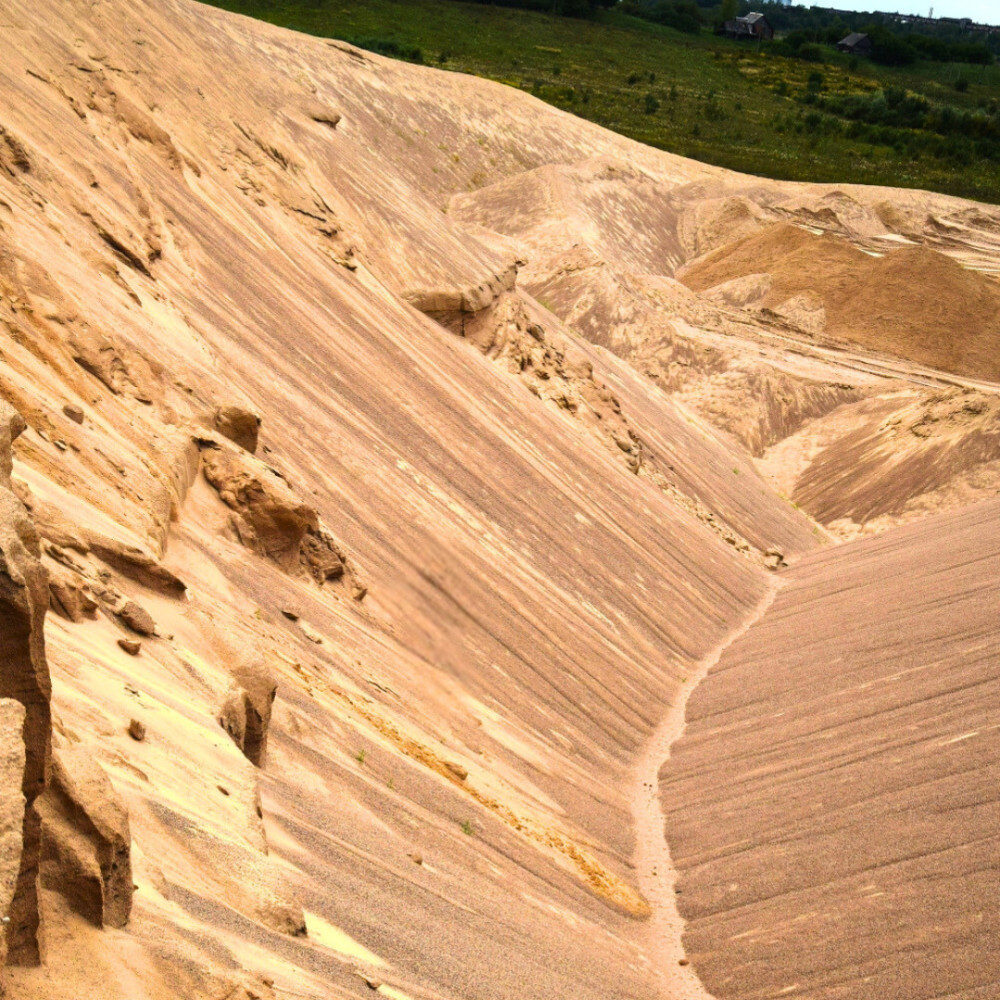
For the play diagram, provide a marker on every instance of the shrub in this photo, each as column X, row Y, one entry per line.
column 714, row 113
column 389, row 47
column 683, row 15
column 652, row 105
column 891, row 50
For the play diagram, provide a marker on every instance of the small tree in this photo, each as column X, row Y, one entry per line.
column 727, row 11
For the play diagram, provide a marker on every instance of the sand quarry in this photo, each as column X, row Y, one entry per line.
column 452, row 552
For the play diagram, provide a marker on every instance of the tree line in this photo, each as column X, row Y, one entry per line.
column 803, row 29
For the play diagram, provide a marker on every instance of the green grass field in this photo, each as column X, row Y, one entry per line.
column 712, row 99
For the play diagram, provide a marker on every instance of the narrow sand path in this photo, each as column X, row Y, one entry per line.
column 655, row 868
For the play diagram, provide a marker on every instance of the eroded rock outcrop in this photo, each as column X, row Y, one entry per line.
column 86, row 847
column 68, row 594
column 504, row 330
column 24, row 599
column 246, row 710
column 136, row 564
column 270, row 519
column 137, row 618
column 73, row 828
column 470, row 299
column 267, row 515
column 121, row 369
column 239, row 424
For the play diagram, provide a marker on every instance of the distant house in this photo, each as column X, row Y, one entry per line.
column 750, row 26
column 856, row 44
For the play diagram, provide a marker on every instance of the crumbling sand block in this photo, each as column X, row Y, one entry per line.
column 11, row 805
column 24, row 677
column 246, row 710
column 240, row 425
column 86, row 845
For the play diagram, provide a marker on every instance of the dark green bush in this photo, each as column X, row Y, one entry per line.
column 389, row 47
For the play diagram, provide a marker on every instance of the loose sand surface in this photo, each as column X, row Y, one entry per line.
column 403, row 454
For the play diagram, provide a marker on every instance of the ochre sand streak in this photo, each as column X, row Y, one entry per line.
column 597, row 877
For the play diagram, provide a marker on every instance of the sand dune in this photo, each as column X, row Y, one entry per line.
column 907, row 302
column 372, row 491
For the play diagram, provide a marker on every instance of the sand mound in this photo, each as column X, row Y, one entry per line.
column 712, row 223
column 833, row 789
column 250, row 351
column 913, row 302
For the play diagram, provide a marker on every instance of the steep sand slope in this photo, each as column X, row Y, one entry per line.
column 446, row 779
column 832, row 805
column 477, row 555
column 780, row 313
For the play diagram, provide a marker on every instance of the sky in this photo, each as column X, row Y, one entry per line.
column 984, row 11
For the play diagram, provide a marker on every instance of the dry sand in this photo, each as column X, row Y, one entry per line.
column 657, row 874
column 514, row 491
column 909, row 301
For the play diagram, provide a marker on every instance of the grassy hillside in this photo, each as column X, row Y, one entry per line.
column 712, row 99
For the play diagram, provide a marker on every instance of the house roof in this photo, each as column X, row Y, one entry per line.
column 752, row 18
column 853, row 38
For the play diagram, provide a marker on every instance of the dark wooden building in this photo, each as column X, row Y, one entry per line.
column 752, row 27
column 856, row 44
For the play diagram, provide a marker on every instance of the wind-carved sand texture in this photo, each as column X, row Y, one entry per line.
column 386, row 458
column 832, row 805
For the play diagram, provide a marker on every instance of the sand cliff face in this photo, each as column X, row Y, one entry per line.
column 390, row 477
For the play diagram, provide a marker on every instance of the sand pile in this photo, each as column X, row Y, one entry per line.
column 913, row 302
column 369, row 576
column 713, row 222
